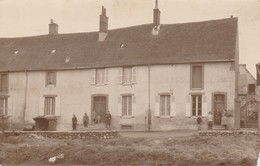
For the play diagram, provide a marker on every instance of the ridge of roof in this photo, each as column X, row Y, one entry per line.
column 125, row 28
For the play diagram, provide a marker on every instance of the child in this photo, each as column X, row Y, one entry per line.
column 210, row 121
column 199, row 120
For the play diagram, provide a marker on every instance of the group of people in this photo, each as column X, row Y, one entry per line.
column 210, row 120
column 94, row 119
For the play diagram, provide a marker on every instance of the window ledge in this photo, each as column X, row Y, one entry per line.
column 126, row 117
column 128, row 84
column 164, row 117
column 197, row 88
column 50, row 86
column 195, row 117
column 99, row 84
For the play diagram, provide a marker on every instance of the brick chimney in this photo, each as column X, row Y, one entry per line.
column 156, row 15
column 53, row 28
column 103, row 25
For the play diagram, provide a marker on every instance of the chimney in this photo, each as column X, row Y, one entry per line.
column 103, row 25
column 156, row 15
column 53, row 28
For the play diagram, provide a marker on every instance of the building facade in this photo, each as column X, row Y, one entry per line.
column 164, row 74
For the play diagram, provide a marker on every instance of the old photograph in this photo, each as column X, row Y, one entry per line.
column 130, row 82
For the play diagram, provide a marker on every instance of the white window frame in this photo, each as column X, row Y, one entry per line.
column 49, row 106
column 196, row 105
column 127, row 75
column 4, row 108
column 100, row 76
column 165, row 105
column 127, row 111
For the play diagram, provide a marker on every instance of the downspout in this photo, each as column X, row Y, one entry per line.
column 149, row 99
column 25, row 96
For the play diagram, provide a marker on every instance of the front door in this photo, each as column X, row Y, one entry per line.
column 219, row 105
column 100, row 106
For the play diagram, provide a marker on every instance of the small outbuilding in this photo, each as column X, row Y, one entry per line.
column 45, row 123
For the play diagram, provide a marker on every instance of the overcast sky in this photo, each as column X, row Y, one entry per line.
column 31, row 17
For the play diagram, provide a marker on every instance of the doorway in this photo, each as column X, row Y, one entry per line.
column 219, row 105
column 99, row 106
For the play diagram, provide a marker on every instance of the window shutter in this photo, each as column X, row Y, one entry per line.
column 9, row 107
column 157, row 106
column 120, row 75
column 134, row 106
column 188, row 106
column 119, row 108
column 54, row 78
column 134, row 74
column 106, row 76
column 173, row 106
column 41, row 104
column 57, row 106
column 46, row 78
column 204, row 106
column 93, row 76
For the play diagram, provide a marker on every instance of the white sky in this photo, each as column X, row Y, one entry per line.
column 31, row 17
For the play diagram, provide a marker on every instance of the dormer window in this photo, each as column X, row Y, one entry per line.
column 51, row 78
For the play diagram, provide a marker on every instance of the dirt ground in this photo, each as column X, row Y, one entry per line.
column 155, row 148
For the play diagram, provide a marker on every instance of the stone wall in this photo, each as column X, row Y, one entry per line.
column 229, row 132
column 67, row 135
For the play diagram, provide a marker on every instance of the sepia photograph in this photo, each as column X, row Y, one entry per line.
column 130, row 82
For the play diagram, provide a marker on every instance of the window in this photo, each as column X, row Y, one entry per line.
column 251, row 89
column 127, row 75
column 51, row 78
column 3, row 106
column 196, row 105
column 49, row 106
column 100, row 76
column 165, row 106
column 197, row 77
column 4, row 83
column 127, row 105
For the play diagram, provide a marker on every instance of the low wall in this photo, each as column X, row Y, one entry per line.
column 228, row 132
column 67, row 135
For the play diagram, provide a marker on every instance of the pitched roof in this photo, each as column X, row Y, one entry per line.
column 213, row 40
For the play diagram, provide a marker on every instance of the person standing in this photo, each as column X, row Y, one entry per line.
column 85, row 120
column 108, row 119
column 93, row 117
column 210, row 121
column 224, row 119
column 199, row 120
column 74, row 122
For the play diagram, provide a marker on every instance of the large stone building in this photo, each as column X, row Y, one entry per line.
column 166, row 73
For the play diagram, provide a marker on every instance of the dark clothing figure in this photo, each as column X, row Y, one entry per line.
column 93, row 117
column 85, row 120
column 199, row 120
column 108, row 119
column 224, row 119
column 210, row 121
column 74, row 122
